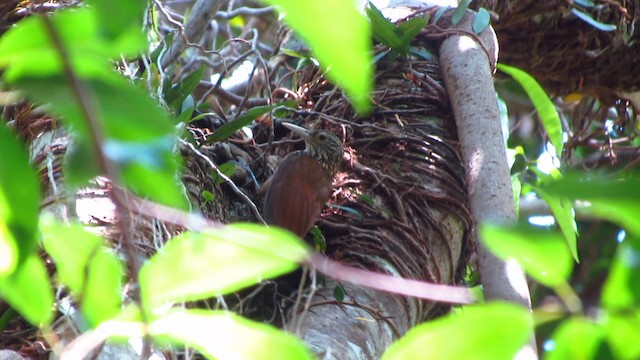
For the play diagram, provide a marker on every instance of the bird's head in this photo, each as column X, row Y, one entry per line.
column 322, row 145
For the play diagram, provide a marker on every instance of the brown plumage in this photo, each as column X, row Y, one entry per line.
column 302, row 183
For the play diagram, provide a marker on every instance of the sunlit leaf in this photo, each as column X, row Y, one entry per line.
column 562, row 209
column 103, row 290
column 621, row 291
column 199, row 265
column 28, row 291
column 128, row 118
column 340, row 38
column 119, row 17
column 224, row 335
column 488, row 331
column 543, row 254
column 92, row 273
column 623, row 334
column 545, row 108
column 576, row 338
column 591, row 21
column 19, row 203
column 614, row 199
column 27, row 49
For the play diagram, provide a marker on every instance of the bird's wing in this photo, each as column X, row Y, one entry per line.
column 299, row 189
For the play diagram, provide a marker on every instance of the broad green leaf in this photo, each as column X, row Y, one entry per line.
column 119, row 17
column 71, row 248
column 565, row 216
column 397, row 37
column 383, row 29
column 103, row 291
column 19, row 203
column 481, row 21
column 621, row 291
column 576, row 338
column 591, row 21
column 27, row 49
column 625, row 212
column 412, row 27
column 623, row 334
column 231, row 127
column 179, row 92
column 131, row 123
column 543, row 254
column 224, row 335
column 195, row 266
column 340, row 38
column 545, row 108
column 562, row 210
column 491, row 331
column 614, row 199
column 92, row 273
column 28, row 291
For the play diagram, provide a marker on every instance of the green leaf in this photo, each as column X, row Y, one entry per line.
column 103, row 291
column 227, row 169
column 27, row 49
column 614, row 199
column 195, row 266
column 481, row 21
column 338, row 292
column 411, row 28
column 339, row 36
column 576, row 338
column 19, row 203
column 224, row 335
column 397, row 37
column 488, row 331
column 621, row 291
column 545, row 108
column 459, row 12
column 591, row 21
column 231, row 127
column 119, row 17
column 128, row 118
column 384, row 31
column 92, row 273
column 543, row 254
column 623, row 334
column 179, row 92
column 28, row 291
column 562, row 210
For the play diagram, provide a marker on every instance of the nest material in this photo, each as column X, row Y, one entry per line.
column 567, row 54
column 401, row 202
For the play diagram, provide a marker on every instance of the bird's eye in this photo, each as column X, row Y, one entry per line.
column 322, row 137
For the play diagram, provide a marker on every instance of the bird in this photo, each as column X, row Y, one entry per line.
column 302, row 183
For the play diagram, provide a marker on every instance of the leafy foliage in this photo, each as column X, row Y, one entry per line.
column 137, row 137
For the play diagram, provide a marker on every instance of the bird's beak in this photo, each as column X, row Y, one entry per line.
column 299, row 130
